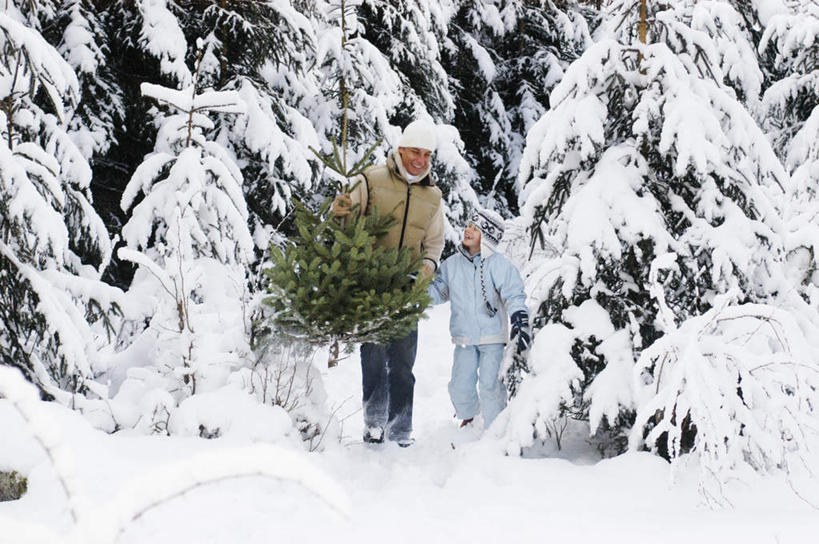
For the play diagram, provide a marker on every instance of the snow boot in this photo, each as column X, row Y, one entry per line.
column 374, row 435
column 466, row 422
column 405, row 442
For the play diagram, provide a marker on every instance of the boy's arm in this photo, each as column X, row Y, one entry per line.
column 438, row 290
column 514, row 298
column 511, row 289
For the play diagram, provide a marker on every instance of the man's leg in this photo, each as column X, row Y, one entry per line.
column 400, row 360
column 461, row 387
column 492, row 391
column 374, row 386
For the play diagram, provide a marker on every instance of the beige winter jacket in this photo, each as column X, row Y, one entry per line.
column 416, row 205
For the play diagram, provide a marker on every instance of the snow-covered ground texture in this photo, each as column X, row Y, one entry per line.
column 453, row 485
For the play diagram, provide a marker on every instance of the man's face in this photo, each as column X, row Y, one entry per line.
column 415, row 159
column 472, row 238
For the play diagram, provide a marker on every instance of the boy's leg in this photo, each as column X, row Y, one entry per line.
column 400, row 360
column 374, row 384
column 464, row 379
column 492, row 391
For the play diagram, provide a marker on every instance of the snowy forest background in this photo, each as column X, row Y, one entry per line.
column 658, row 163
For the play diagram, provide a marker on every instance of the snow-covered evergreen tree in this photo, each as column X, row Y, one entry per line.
column 265, row 51
column 84, row 45
column 189, row 236
column 646, row 151
column 53, row 245
column 262, row 50
column 79, row 32
column 412, row 35
column 504, row 56
column 791, row 106
column 361, row 91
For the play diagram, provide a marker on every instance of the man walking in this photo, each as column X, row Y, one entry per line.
column 404, row 186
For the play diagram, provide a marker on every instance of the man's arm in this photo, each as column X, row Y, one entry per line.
column 433, row 242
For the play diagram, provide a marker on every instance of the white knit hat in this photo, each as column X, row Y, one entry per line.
column 491, row 225
column 421, row 134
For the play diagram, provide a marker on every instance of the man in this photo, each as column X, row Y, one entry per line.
column 404, row 186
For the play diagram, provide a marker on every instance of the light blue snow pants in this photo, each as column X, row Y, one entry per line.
column 477, row 365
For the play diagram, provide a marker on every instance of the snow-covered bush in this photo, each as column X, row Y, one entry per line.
column 93, row 522
column 284, row 374
column 737, row 386
column 189, row 236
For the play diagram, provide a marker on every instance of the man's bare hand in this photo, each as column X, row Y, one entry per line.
column 427, row 270
column 342, row 206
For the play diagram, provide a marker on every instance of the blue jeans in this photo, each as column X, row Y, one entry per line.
column 477, row 365
column 388, row 385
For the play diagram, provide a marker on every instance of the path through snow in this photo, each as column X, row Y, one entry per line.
column 434, row 492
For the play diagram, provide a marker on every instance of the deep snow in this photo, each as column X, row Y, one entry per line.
column 449, row 487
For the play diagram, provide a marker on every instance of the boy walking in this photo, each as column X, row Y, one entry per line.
column 482, row 286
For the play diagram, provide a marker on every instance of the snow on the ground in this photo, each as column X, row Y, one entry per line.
column 448, row 487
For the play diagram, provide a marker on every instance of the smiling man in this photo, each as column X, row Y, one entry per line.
column 405, row 187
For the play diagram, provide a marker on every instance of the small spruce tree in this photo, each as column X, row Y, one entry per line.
column 330, row 283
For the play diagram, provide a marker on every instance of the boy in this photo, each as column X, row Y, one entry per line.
column 482, row 286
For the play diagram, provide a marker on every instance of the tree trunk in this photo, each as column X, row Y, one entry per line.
column 642, row 29
column 332, row 361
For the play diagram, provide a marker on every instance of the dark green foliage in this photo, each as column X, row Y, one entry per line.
column 331, row 283
column 12, row 486
column 26, row 342
column 516, row 373
column 495, row 111
column 410, row 36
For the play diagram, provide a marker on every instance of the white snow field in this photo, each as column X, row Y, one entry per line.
column 451, row 486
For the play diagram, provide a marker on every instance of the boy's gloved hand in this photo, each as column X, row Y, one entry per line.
column 520, row 330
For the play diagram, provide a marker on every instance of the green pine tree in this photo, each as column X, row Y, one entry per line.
column 331, row 284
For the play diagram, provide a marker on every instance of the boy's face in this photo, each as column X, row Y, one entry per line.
column 472, row 238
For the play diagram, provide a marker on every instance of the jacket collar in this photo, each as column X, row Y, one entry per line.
column 396, row 166
column 465, row 252
column 484, row 253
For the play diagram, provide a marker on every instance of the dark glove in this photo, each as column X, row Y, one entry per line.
column 520, row 330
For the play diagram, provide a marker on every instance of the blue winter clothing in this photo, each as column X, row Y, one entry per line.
column 459, row 281
column 477, row 364
column 482, row 293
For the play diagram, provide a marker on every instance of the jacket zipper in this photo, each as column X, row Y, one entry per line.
column 404, row 225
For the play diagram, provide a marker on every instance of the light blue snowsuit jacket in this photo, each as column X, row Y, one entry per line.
column 459, row 281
